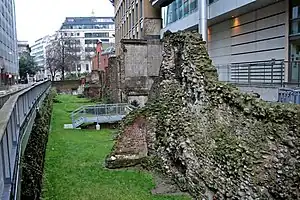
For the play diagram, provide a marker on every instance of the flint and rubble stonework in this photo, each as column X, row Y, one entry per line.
column 214, row 141
column 113, row 80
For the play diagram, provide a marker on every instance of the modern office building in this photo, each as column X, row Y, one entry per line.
column 9, row 66
column 260, row 32
column 38, row 51
column 86, row 32
column 136, row 19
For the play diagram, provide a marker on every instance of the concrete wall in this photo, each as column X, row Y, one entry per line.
column 223, row 6
column 266, row 93
column 254, row 36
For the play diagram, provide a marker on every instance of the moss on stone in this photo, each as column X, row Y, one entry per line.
column 213, row 140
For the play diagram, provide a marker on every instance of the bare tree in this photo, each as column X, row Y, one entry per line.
column 62, row 54
column 53, row 59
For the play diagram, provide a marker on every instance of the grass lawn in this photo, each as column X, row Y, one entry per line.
column 74, row 167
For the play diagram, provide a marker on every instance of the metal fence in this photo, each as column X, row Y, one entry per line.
column 11, row 91
column 101, row 113
column 288, row 95
column 14, row 117
column 265, row 72
column 294, row 74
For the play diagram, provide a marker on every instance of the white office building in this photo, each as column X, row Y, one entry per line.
column 38, row 51
column 86, row 32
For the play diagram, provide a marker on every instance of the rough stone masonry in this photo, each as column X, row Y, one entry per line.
column 212, row 140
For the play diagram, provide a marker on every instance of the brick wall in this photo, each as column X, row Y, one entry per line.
column 66, row 86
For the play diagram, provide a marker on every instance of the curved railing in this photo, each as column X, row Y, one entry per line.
column 14, row 118
column 100, row 113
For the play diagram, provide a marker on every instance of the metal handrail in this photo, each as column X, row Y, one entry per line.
column 82, row 113
column 260, row 72
column 13, row 119
column 5, row 97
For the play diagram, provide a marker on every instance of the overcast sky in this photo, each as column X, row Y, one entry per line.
column 37, row 18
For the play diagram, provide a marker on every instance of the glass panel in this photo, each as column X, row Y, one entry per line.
column 295, row 12
column 295, row 9
column 193, row 5
column 141, row 8
column 180, row 9
column 186, row 7
column 295, row 60
column 295, row 27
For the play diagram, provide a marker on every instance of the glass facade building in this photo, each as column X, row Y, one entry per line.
column 294, row 32
column 8, row 42
column 179, row 9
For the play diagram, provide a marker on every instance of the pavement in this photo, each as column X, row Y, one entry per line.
column 14, row 88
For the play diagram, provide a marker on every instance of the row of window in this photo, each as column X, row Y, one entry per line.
column 96, row 35
column 100, row 26
column 77, row 42
column 92, row 19
column 71, row 34
column 179, row 9
column 72, row 42
column 87, row 67
column 136, row 12
column 7, row 11
column 8, row 42
column 90, row 49
column 89, row 35
column 95, row 41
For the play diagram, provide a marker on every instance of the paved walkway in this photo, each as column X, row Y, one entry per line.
column 13, row 88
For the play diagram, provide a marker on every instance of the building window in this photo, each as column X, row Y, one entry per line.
column 136, row 13
column 87, row 67
column 100, row 34
column 91, row 41
column 129, row 22
column 186, row 9
column 132, row 17
column 89, row 49
column 179, row 7
column 79, row 67
column 72, row 34
column 141, row 8
column 78, row 34
column 193, row 5
column 65, row 34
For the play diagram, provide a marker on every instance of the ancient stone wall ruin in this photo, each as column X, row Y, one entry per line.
column 113, row 82
column 215, row 142
column 139, row 66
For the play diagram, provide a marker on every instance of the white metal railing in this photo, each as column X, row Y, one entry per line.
column 94, row 113
column 13, row 120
